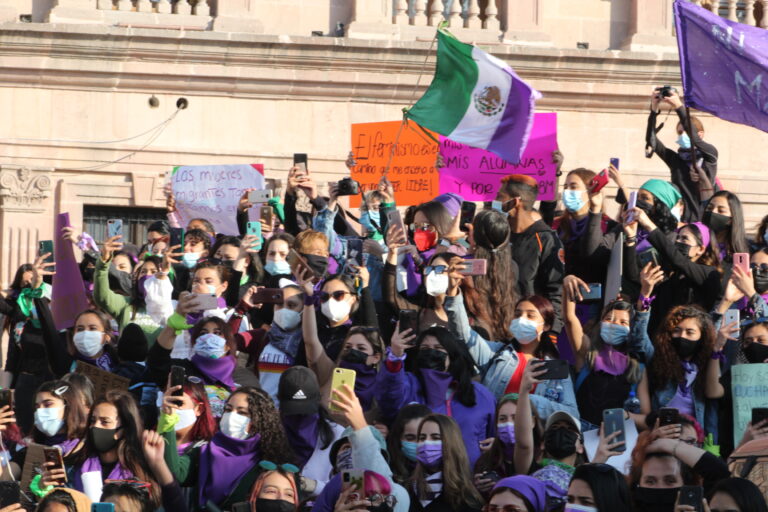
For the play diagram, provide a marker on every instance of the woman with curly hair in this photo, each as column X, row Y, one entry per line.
column 684, row 364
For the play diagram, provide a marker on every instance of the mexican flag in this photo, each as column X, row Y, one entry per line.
column 477, row 99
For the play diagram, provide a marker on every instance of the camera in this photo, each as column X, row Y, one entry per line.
column 666, row 91
column 348, row 187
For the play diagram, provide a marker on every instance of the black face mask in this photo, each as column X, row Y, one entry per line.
column 716, row 222
column 103, row 438
column 382, row 507
column 431, row 359
column 755, row 352
column 655, row 500
column 684, row 347
column 760, row 280
column 684, row 249
column 560, row 442
column 264, row 505
column 645, row 206
column 119, row 281
column 317, row 263
column 354, row 356
column 88, row 274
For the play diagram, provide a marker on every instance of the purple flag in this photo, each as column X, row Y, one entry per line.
column 723, row 64
column 68, row 296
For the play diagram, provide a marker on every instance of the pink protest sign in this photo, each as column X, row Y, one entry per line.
column 475, row 174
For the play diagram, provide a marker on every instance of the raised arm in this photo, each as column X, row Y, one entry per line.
column 524, row 445
column 317, row 359
column 580, row 343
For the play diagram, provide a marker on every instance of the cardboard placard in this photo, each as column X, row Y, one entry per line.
column 749, row 388
column 102, row 380
column 33, row 464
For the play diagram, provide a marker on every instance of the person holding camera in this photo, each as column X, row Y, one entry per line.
column 694, row 180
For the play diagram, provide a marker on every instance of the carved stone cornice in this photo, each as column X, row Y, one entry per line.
column 23, row 189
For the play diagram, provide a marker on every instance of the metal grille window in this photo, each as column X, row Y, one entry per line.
column 135, row 222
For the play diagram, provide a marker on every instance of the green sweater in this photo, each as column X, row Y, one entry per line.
column 119, row 306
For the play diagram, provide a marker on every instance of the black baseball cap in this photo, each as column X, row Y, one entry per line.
column 298, row 391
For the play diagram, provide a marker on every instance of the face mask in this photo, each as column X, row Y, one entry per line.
column 88, row 343
column 755, row 352
column 645, row 206
column 431, row 359
column 265, row 505
column 88, row 273
column 344, row 460
column 649, row 499
column 354, row 356
column 436, row 284
column 211, row 346
column 573, row 200
column 684, row 141
column 119, row 281
column 430, row 453
column 234, row 425
column 572, row 507
column 506, row 433
column 560, row 442
column 424, row 240
column 48, row 421
column 683, row 248
column 187, row 418
column 677, row 212
column 614, row 334
column 684, row 347
column 524, row 330
column 335, row 310
column 760, row 280
column 190, row 259
column 409, row 450
column 716, row 221
column 317, row 263
column 498, row 206
column 103, row 439
column 277, row 268
column 287, row 319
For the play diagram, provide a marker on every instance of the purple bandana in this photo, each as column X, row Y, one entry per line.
column 611, row 361
column 364, row 382
column 302, row 433
column 223, row 462
column 435, row 389
column 216, row 370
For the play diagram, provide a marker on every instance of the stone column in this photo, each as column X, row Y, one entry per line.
column 75, row 11
column 522, row 22
column 651, row 26
column 374, row 19
column 25, row 216
column 238, row 16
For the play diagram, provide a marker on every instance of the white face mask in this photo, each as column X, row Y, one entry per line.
column 287, row 319
column 88, row 343
column 335, row 310
column 234, row 425
column 572, row 507
column 677, row 212
column 210, row 345
column 524, row 330
column 187, row 418
column 49, row 421
column 436, row 284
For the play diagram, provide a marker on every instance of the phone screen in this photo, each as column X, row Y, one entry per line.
column 178, row 375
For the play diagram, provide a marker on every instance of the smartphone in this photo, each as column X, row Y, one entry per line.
column 102, row 507
column 341, row 376
column 669, row 416
column 206, row 301
column 178, row 377
column 298, row 263
column 45, row 247
column 613, row 421
column 556, row 369
column 598, row 182
column 53, row 454
column 477, row 267
column 631, row 203
column 649, row 255
column 468, row 209
column 741, row 260
column 300, row 160
column 691, row 495
column 759, row 414
column 268, row 296
column 350, row 478
column 492, row 475
column 259, row 196
column 732, row 315
column 266, row 213
column 615, row 163
column 595, row 292
column 177, row 237
column 254, row 228
column 409, row 319
column 394, row 219
column 114, row 227
column 6, row 398
column 355, row 250
column 10, row 494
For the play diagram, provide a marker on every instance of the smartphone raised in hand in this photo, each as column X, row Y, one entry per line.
column 408, row 319
column 340, row 377
column 6, row 398
column 556, row 369
column 468, row 209
column 631, row 204
column 691, row 495
column 598, row 182
column 114, row 228
column 178, row 376
column 669, row 416
column 46, row 247
column 53, row 455
column 613, row 421
column 300, row 160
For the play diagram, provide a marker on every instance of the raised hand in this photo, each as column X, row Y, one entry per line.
column 401, row 342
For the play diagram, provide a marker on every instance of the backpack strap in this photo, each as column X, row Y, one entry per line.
column 749, row 465
column 582, row 376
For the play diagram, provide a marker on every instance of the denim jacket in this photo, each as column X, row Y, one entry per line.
column 497, row 363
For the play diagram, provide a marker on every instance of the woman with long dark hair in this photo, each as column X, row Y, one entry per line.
column 600, row 487
column 402, row 441
column 736, row 495
column 724, row 215
column 442, row 380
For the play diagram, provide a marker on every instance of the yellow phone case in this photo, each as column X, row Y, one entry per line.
column 341, row 376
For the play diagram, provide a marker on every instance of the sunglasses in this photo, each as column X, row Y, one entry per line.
column 338, row 295
column 268, row 465
column 378, row 499
column 437, row 269
column 760, row 267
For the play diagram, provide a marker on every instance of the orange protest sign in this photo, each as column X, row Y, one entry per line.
column 412, row 172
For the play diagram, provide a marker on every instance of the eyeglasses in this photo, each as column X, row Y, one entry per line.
column 422, row 226
column 761, row 267
column 337, row 295
column 503, row 508
column 378, row 499
column 268, row 465
column 437, row 269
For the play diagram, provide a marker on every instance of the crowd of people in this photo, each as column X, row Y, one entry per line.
column 427, row 360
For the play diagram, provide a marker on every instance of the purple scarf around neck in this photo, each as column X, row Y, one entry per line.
column 435, row 388
column 611, row 361
column 579, row 227
column 93, row 464
column 216, row 370
column 365, row 381
column 193, row 318
column 302, row 432
column 223, row 462
column 60, row 440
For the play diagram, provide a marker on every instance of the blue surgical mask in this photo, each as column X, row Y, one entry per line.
column 497, row 205
column 409, row 449
column 524, row 330
column 614, row 334
column 684, row 141
column 277, row 268
column 190, row 259
column 210, row 345
column 573, row 200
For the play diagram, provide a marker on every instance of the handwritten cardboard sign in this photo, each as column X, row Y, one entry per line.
column 475, row 174
column 412, row 171
column 749, row 388
column 102, row 380
column 212, row 192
